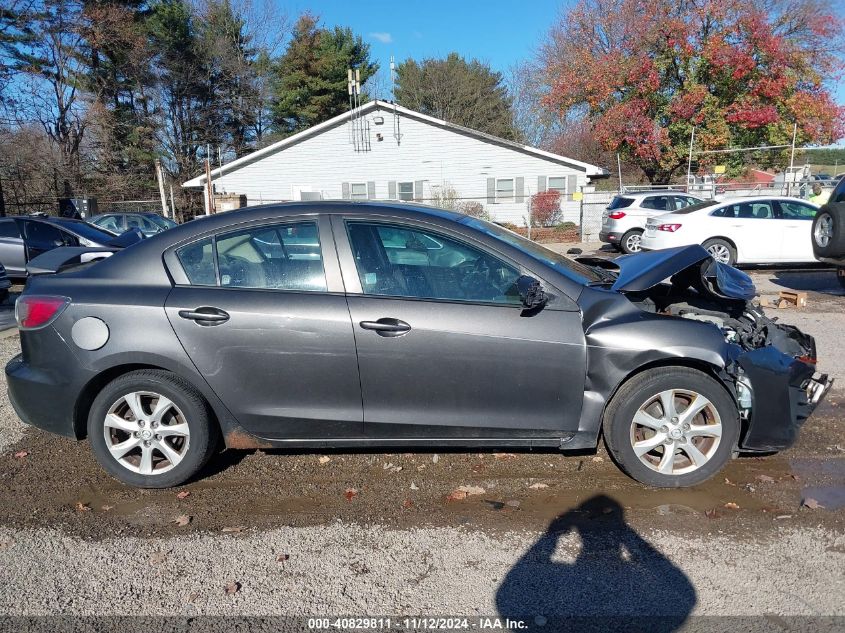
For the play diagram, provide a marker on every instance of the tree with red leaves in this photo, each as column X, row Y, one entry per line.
column 644, row 73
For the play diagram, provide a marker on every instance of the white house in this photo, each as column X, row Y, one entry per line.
column 381, row 151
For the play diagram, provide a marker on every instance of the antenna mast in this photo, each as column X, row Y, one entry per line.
column 396, row 133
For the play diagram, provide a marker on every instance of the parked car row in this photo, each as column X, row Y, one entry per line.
column 748, row 230
column 22, row 238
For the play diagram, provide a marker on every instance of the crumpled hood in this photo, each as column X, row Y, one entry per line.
column 641, row 271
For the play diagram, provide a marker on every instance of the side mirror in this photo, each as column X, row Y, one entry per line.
column 574, row 251
column 531, row 293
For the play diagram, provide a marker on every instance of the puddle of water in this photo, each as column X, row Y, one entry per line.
column 828, row 497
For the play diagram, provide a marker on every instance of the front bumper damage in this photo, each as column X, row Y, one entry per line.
column 784, row 393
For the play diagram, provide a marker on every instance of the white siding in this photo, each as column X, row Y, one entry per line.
column 437, row 155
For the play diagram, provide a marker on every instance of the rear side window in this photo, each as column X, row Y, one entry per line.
column 197, row 261
column 279, row 257
column 620, row 202
column 9, row 228
column 658, row 203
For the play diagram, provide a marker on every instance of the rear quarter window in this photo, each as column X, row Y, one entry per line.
column 620, row 202
column 9, row 228
column 197, row 261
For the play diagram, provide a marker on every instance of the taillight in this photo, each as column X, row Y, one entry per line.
column 616, row 215
column 35, row 311
column 669, row 227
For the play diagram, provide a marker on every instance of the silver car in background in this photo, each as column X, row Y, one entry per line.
column 623, row 222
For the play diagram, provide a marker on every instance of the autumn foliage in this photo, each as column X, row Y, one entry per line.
column 645, row 72
column 545, row 208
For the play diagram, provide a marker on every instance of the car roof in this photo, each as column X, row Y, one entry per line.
column 653, row 192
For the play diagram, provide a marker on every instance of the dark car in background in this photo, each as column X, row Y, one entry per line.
column 828, row 233
column 343, row 324
column 148, row 223
column 22, row 238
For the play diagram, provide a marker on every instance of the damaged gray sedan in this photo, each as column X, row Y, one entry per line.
column 340, row 324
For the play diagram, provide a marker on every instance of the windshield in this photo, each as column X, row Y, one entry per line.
column 88, row 231
column 162, row 222
column 577, row 272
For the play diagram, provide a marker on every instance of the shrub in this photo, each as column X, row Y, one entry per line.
column 472, row 208
column 545, row 208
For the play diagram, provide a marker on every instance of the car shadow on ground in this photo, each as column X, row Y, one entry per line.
column 618, row 581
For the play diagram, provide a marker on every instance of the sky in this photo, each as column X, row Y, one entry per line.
column 500, row 32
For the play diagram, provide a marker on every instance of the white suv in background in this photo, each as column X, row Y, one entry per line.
column 623, row 222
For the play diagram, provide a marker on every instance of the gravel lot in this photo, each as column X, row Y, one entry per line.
column 294, row 545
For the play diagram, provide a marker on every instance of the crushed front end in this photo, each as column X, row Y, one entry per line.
column 771, row 367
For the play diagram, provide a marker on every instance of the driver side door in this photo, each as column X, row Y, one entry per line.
column 445, row 349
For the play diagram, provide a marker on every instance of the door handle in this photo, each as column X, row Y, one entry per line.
column 386, row 327
column 205, row 315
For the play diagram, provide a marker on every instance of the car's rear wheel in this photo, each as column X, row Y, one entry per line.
column 671, row 427
column 151, row 429
column 630, row 242
column 721, row 250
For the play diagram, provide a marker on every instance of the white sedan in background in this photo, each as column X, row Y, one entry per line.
column 754, row 230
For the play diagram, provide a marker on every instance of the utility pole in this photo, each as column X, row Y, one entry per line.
column 792, row 161
column 689, row 160
column 619, row 170
column 172, row 205
column 209, row 190
column 160, row 178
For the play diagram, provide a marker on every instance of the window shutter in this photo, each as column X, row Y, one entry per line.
column 418, row 189
column 344, row 191
column 571, row 185
column 491, row 191
column 541, row 183
column 520, row 189
column 371, row 190
column 391, row 190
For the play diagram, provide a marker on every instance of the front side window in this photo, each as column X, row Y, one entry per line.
column 797, row 211
column 43, row 235
column 406, row 190
column 279, row 257
column 403, row 261
column 557, row 184
column 141, row 223
column 358, row 190
column 504, row 190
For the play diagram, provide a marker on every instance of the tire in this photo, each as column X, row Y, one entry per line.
column 721, row 250
column 641, row 395
column 630, row 242
column 828, row 233
column 184, row 429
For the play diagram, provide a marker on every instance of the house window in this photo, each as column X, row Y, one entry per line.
column 504, row 190
column 406, row 190
column 358, row 191
column 557, row 184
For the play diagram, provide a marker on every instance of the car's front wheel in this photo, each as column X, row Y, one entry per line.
column 151, row 429
column 671, row 427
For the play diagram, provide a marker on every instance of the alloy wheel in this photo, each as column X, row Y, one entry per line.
column 146, row 433
column 676, row 431
column 632, row 244
column 720, row 253
column 823, row 232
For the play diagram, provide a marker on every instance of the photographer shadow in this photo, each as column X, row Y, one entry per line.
column 617, row 582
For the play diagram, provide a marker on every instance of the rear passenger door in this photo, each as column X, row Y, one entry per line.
column 12, row 254
column 796, row 218
column 262, row 314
